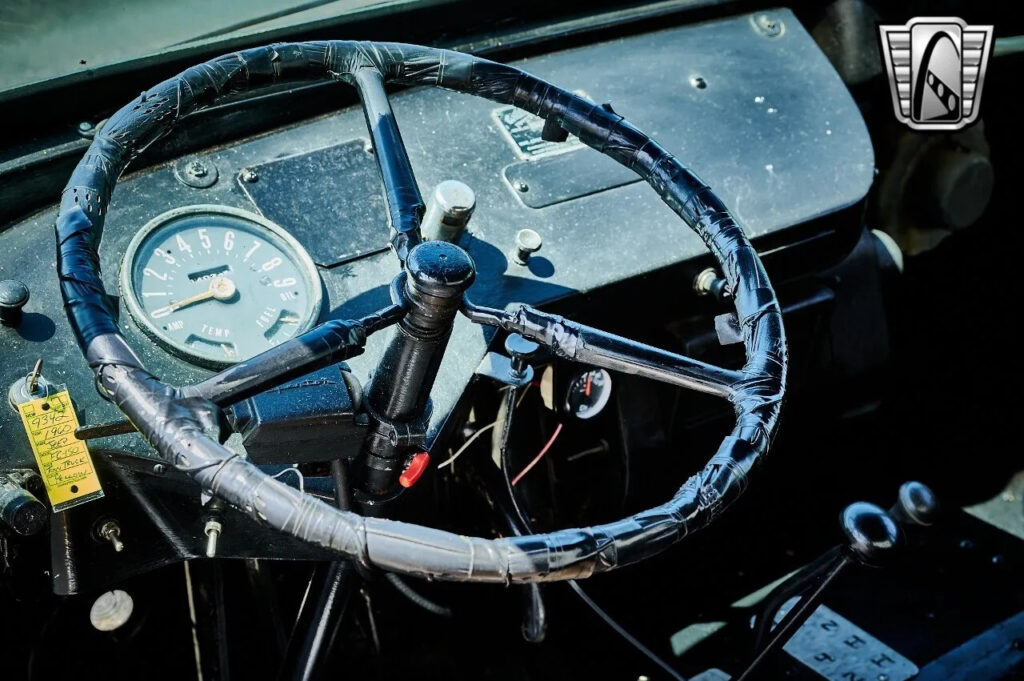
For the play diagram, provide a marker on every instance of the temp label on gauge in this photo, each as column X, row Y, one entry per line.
column 839, row 650
column 63, row 460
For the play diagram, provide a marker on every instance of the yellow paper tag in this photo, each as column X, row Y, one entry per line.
column 64, row 460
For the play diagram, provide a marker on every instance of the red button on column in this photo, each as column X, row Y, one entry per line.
column 417, row 466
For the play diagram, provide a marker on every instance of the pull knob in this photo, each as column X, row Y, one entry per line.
column 449, row 209
column 521, row 350
column 871, row 533
column 916, row 504
column 13, row 296
column 528, row 242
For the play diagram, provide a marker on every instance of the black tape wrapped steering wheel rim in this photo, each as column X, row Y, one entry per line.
column 178, row 422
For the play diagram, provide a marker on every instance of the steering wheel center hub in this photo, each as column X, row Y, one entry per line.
column 439, row 268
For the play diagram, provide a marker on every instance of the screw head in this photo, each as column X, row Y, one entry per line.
column 89, row 130
column 196, row 173
column 250, row 175
column 768, row 26
column 196, row 169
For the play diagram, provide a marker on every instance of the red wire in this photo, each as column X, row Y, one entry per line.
column 536, row 459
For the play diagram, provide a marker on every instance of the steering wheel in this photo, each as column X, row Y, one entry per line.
column 181, row 423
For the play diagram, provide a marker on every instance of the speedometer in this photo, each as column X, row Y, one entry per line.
column 216, row 285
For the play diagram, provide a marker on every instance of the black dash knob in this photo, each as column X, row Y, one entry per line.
column 871, row 533
column 916, row 504
column 13, row 296
column 19, row 508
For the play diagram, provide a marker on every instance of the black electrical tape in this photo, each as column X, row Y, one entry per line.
column 181, row 427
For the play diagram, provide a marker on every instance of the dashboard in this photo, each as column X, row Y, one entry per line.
column 474, row 439
column 221, row 254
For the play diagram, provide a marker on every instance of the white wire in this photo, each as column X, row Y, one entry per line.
column 474, row 436
column 298, row 474
column 466, row 444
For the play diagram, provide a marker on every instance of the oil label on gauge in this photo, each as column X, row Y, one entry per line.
column 64, row 461
column 524, row 129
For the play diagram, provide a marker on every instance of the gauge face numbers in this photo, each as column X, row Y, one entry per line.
column 217, row 286
column 588, row 393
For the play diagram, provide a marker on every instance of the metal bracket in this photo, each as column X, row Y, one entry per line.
column 498, row 367
column 405, row 433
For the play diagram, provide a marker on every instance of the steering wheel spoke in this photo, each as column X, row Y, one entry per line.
column 588, row 345
column 328, row 343
column 405, row 205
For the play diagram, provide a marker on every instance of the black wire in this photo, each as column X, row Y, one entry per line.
column 417, row 598
column 621, row 631
column 343, row 497
column 535, row 623
column 503, row 458
column 525, row 526
column 342, row 489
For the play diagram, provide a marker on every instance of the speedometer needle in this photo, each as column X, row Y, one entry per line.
column 221, row 288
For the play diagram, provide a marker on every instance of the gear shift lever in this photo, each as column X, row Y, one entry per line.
column 872, row 535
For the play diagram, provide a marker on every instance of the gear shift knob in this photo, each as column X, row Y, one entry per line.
column 871, row 534
column 916, row 504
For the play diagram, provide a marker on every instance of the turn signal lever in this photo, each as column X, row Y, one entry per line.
column 872, row 537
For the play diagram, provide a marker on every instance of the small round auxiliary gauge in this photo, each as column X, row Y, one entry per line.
column 588, row 393
column 216, row 285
